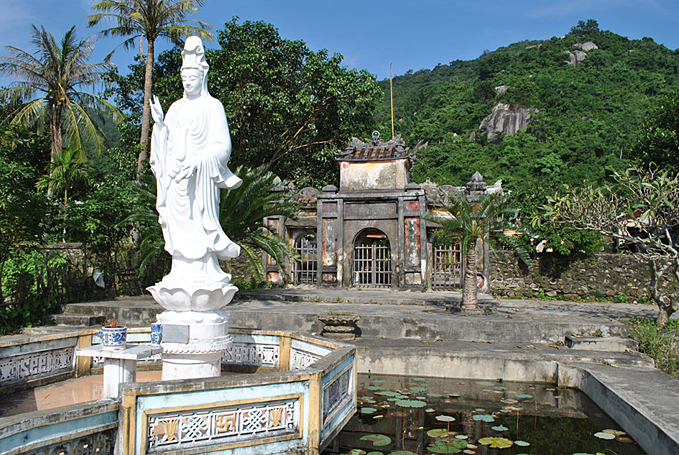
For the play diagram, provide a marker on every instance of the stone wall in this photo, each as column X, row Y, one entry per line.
column 618, row 276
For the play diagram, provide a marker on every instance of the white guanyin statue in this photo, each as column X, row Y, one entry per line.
column 190, row 150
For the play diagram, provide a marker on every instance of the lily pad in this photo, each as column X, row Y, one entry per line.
column 454, row 446
column 523, row 395
column 602, row 435
column 483, row 418
column 411, row 403
column 419, row 379
column 485, row 383
column 357, row 452
column 434, row 395
column 403, row 452
column 374, row 453
column 437, row 433
column 499, row 428
column 496, row 443
column 500, row 388
column 375, row 387
column 388, row 393
column 443, row 418
column 368, row 410
column 480, row 410
column 378, row 440
column 522, row 443
column 418, row 389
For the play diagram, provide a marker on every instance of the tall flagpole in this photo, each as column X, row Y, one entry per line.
column 391, row 87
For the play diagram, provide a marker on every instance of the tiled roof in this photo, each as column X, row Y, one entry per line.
column 375, row 150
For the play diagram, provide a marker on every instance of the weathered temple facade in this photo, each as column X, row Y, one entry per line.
column 372, row 231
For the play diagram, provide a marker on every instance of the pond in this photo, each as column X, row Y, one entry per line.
column 411, row 415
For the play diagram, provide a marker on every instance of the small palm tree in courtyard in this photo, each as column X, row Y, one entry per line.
column 241, row 214
column 470, row 221
column 242, row 211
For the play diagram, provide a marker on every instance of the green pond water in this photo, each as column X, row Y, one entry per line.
column 411, row 415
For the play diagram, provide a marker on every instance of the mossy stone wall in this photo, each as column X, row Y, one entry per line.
column 620, row 277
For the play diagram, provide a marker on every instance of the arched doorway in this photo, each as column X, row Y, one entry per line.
column 304, row 270
column 372, row 260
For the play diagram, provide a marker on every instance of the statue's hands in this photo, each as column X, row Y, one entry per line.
column 187, row 170
column 157, row 110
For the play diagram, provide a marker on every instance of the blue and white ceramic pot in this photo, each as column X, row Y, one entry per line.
column 156, row 334
column 113, row 339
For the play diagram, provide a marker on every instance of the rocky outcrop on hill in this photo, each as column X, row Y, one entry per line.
column 579, row 52
column 504, row 120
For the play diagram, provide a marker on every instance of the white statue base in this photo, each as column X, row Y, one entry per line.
column 193, row 343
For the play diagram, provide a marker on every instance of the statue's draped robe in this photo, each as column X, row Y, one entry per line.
column 194, row 131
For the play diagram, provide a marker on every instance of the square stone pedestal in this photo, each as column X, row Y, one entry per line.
column 119, row 366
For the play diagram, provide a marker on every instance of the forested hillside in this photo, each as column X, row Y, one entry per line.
column 585, row 116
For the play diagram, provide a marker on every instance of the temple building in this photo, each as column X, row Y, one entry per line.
column 372, row 231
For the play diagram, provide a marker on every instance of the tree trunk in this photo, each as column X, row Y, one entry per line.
column 663, row 315
column 2, row 270
column 665, row 309
column 57, row 141
column 469, row 297
column 146, row 116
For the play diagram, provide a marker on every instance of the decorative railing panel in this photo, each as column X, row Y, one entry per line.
column 36, row 365
column 252, row 354
column 94, row 444
column 303, row 354
column 222, row 425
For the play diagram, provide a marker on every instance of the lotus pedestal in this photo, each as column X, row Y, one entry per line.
column 195, row 327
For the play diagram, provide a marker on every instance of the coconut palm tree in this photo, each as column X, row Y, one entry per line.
column 149, row 20
column 59, row 71
column 475, row 219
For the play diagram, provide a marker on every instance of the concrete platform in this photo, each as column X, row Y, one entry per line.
column 415, row 333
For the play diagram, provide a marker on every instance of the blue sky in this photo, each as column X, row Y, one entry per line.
column 371, row 34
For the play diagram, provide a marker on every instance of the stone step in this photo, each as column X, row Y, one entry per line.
column 607, row 344
column 77, row 320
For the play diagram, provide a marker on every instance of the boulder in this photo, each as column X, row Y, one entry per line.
column 504, row 120
column 588, row 46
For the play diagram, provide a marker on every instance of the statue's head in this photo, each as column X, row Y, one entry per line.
column 194, row 68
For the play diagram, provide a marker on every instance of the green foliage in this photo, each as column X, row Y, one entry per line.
column 658, row 141
column 588, row 115
column 98, row 223
column 21, row 210
column 661, row 344
column 31, row 302
column 288, row 107
column 472, row 218
column 67, row 169
column 242, row 211
column 59, row 71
